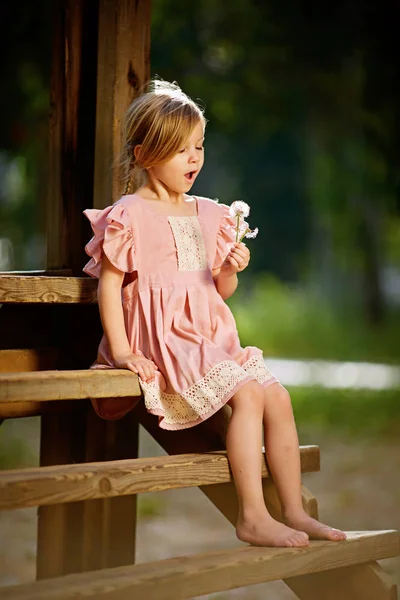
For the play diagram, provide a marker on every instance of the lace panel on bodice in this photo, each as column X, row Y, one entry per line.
column 189, row 243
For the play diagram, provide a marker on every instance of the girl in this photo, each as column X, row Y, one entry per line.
column 176, row 260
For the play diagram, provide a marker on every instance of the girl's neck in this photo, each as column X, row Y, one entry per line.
column 162, row 195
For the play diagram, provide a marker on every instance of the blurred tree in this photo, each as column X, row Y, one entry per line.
column 25, row 36
column 308, row 95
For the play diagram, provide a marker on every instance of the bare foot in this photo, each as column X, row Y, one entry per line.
column 265, row 531
column 315, row 529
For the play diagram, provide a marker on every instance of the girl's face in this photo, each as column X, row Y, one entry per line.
column 179, row 173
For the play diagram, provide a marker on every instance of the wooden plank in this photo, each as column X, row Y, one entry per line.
column 47, row 290
column 123, row 68
column 18, row 410
column 13, row 361
column 185, row 577
column 43, row 386
column 70, row 483
column 360, row 582
column 40, row 272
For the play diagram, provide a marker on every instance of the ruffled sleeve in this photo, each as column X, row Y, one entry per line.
column 113, row 237
column 226, row 236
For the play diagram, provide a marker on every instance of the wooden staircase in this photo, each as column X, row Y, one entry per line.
column 87, row 511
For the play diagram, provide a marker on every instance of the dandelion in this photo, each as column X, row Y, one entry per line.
column 252, row 233
column 239, row 210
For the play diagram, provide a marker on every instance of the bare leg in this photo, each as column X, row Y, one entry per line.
column 282, row 450
column 243, row 442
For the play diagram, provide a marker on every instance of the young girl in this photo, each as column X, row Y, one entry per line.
column 176, row 260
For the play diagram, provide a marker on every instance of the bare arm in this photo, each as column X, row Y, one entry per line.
column 112, row 320
column 110, row 306
column 225, row 283
column 226, row 280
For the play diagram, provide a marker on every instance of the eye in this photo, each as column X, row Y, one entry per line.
column 201, row 148
column 182, row 151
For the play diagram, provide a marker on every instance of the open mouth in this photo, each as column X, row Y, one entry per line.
column 190, row 176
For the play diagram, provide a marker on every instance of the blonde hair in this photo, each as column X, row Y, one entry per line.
column 160, row 120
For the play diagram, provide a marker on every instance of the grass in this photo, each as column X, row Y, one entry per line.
column 293, row 322
column 348, row 412
column 15, row 454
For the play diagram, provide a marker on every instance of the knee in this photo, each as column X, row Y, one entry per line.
column 278, row 402
column 249, row 397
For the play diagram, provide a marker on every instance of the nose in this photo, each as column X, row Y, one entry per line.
column 193, row 157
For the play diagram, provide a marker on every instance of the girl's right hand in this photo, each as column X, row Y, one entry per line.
column 137, row 363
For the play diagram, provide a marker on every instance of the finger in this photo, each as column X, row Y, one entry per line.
column 242, row 251
column 233, row 262
column 238, row 254
column 131, row 367
column 141, row 372
column 148, row 371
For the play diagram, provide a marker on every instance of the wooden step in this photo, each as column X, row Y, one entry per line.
column 47, row 386
column 47, row 289
column 70, row 483
column 188, row 576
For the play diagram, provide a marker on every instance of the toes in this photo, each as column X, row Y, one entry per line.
column 300, row 539
column 335, row 535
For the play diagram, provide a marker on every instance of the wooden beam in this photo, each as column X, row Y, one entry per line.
column 70, row 483
column 123, row 68
column 40, row 273
column 109, row 525
column 43, row 386
column 72, row 131
column 364, row 582
column 47, row 290
column 92, row 534
column 19, row 410
column 15, row 361
column 189, row 576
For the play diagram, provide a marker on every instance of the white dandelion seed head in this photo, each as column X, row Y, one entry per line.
column 252, row 234
column 239, row 208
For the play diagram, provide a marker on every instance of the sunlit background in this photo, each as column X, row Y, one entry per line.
column 303, row 104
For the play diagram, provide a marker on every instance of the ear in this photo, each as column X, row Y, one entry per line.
column 136, row 152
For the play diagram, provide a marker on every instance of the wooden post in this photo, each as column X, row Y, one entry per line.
column 100, row 60
column 72, row 131
column 123, row 69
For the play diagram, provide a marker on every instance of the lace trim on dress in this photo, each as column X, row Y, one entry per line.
column 189, row 243
column 206, row 394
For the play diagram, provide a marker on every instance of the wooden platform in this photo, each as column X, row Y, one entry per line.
column 188, row 576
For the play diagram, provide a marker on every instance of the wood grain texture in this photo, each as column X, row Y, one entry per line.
column 185, row 577
column 43, row 386
column 47, row 290
column 360, row 582
column 71, row 131
column 123, row 68
column 62, row 443
column 108, row 534
column 70, row 483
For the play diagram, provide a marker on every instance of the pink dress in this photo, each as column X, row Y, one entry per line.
column 173, row 312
